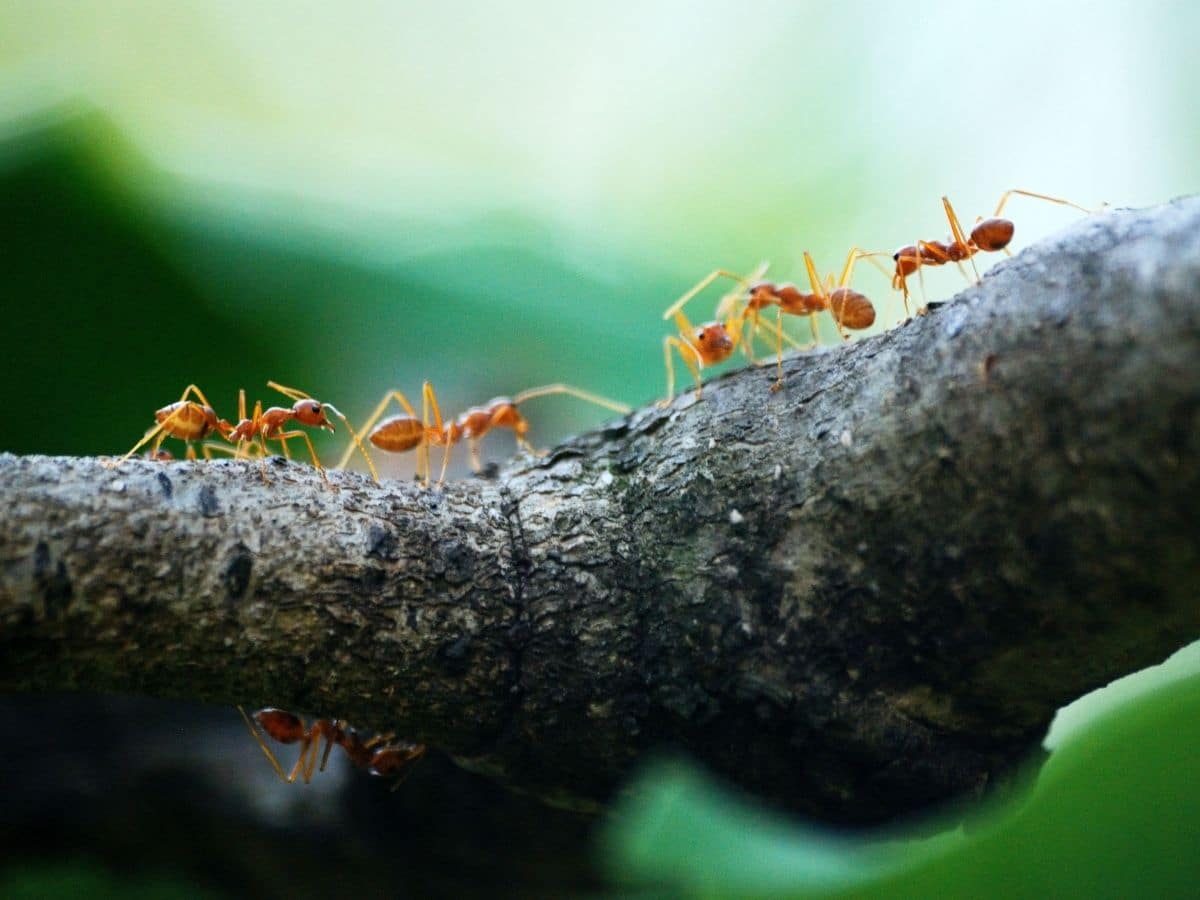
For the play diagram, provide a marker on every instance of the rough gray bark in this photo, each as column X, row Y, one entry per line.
column 860, row 595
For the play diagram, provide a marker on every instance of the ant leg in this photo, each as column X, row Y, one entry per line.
column 870, row 257
column 376, row 415
column 778, row 385
column 413, row 756
column 290, row 393
column 208, row 447
column 317, row 733
column 960, row 237
column 312, row 451
column 1058, row 200
column 571, row 391
column 429, row 402
column 263, row 453
column 690, row 359
column 357, row 439
column 818, row 289
column 158, row 431
column 300, row 768
column 263, row 746
column 728, row 303
column 699, row 286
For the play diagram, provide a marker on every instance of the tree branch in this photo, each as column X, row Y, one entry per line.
column 863, row 594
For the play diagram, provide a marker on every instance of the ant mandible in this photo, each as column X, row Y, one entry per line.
column 401, row 433
column 267, row 425
column 381, row 755
column 184, row 419
column 987, row 236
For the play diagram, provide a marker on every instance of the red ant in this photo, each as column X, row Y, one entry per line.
column 381, row 755
column 267, row 425
column 401, row 433
column 987, row 236
column 716, row 341
column 184, row 419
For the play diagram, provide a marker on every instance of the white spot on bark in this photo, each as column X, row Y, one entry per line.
column 735, row 517
column 846, row 439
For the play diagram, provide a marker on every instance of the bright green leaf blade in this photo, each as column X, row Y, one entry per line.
column 1115, row 812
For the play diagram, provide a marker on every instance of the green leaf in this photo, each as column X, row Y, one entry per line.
column 1114, row 812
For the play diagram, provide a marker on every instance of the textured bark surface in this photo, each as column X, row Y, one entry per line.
column 860, row 595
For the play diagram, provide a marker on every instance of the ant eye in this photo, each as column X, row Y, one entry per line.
column 700, row 336
column 896, row 256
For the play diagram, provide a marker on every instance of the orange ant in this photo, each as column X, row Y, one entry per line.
column 401, row 433
column 184, row 419
column 381, row 755
column 987, row 236
column 267, row 425
column 716, row 341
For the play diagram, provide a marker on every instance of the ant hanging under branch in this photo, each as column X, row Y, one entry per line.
column 381, row 755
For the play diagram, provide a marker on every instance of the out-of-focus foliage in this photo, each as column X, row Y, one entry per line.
column 1114, row 812
column 36, row 882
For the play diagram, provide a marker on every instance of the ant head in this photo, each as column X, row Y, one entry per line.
column 504, row 413
column 311, row 412
column 713, row 342
column 907, row 259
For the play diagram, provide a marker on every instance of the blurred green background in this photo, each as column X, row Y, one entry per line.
column 353, row 197
column 358, row 197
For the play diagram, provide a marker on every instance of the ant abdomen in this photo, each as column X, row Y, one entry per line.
column 992, row 234
column 397, row 434
column 186, row 420
column 281, row 725
column 851, row 309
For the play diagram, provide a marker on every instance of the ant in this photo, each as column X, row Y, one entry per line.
column 715, row 341
column 267, row 425
column 401, row 433
column 987, row 236
column 187, row 420
column 381, row 755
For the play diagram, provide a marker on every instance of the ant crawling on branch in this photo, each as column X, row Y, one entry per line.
column 267, row 425
column 987, row 236
column 381, row 755
column 401, row 433
column 184, row 419
column 714, row 342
